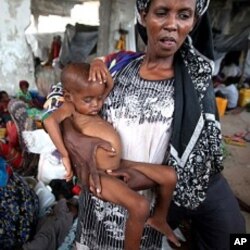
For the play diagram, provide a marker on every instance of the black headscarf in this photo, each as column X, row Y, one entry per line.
column 201, row 34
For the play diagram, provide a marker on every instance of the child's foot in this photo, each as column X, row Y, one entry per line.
column 162, row 226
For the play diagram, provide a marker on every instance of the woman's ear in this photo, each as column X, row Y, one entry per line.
column 143, row 15
column 194, row 23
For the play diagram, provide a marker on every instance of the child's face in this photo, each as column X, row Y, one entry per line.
column 24, row 88
column 89, row 99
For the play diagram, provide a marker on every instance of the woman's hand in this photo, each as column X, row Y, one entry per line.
column 98, row 71
column 82, row 151
column 134, row 179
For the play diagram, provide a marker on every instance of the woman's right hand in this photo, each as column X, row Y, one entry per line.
column 82, row 151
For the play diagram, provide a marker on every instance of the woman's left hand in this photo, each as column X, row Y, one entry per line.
column 133, row 178
column 98, row 71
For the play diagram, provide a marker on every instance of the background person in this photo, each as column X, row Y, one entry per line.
column 4, row 113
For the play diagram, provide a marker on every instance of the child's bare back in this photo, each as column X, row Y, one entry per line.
column 95, row 126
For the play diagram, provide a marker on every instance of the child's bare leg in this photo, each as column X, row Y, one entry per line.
column 116, row 191
column 166, row 178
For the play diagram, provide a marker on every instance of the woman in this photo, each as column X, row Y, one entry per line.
column 163, row 107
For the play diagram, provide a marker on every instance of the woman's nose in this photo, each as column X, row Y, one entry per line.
column 170, row 22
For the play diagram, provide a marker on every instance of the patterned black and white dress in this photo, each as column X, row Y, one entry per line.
column 142, row 112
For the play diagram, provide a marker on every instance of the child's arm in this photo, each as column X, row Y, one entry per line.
column 52, row 125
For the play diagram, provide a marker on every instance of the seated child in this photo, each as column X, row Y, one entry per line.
column 83, row 101
column 33, row 105
column 24, row 94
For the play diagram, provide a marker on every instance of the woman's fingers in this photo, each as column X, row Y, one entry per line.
column 108, row 147
column 97, row 183
column 82, row 172
column 99, row 77
column 119, row 174
column 98, row 71
column 94, row 173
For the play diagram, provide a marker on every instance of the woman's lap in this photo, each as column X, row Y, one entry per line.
column 101, row 226
column 215, row 219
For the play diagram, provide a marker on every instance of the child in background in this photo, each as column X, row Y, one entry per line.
column 83, row 101
column 24, row 94
column 33, row 105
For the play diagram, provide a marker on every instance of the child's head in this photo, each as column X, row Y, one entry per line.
column 87, row 96
column 24, row 86
column 4, row 97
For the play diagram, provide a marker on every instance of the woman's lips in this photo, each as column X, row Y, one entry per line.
column 168, row 42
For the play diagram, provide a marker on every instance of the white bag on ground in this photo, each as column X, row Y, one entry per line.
column 50, row 165
column 38, row 141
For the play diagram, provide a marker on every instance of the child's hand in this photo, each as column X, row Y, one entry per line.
column 67, row 165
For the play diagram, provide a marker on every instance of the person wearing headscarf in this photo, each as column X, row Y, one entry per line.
column 32, row 102
column 164, row 109
column 24, row 93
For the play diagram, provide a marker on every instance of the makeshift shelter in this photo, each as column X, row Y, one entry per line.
column 233, row 42
column 79, row 42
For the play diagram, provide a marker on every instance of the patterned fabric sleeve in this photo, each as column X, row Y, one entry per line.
column 54, row 100
column 117, row 61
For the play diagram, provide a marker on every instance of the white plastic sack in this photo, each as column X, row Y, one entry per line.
column 50, row 165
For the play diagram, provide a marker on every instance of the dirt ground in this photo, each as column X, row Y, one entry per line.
column 237, row 161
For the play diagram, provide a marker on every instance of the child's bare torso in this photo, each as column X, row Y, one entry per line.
column 95, row 126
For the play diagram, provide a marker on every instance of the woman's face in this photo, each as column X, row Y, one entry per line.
column 168, row 23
